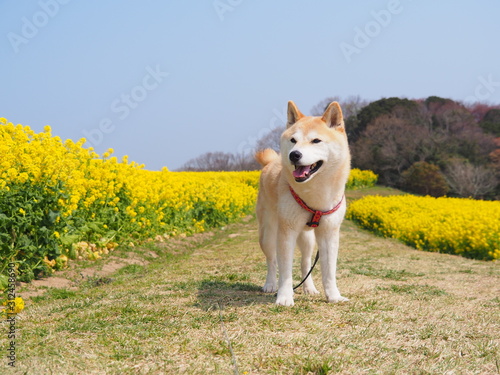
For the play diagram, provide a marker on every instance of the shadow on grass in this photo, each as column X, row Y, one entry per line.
column 214, row 293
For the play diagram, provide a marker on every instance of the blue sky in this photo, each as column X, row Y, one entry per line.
column 165, row 81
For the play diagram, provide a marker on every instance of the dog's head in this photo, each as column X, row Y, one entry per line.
column 311, row 145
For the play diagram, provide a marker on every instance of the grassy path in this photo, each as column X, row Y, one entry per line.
column 409, row 312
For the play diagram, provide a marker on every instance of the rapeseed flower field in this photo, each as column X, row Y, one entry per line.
column 466, row 227
column 359, row 179
column 61, row 201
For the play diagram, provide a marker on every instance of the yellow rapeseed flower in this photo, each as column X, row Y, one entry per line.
column 452, row 225
column 14, row 306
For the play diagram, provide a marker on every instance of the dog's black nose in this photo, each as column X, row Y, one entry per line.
column 295, row 156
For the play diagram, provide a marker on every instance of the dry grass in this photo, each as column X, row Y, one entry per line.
column 409, row 312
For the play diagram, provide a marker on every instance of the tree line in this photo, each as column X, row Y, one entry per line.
column 433, row 146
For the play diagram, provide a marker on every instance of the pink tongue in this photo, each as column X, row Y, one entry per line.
column 301, row 171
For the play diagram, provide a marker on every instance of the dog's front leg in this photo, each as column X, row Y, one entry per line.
column 328, row 243
column 286, row 244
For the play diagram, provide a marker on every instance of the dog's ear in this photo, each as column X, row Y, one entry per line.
column 294, row 114
column 333, row 116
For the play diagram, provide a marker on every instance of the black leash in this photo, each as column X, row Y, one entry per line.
column 312, row 267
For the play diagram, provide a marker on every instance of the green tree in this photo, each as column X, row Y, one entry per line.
column 425, row 179
column 491, row 122
column 404, row 108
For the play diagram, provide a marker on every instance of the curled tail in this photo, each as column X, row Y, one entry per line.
column 264, row 157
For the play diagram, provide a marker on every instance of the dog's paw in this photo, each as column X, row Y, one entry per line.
column 310, row 289
column 284, row 301
column 338, row 299
column 270, row 288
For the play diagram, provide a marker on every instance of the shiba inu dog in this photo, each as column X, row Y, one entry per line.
column 301, row 200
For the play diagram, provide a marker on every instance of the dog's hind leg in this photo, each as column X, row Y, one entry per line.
column 306, row 242
column 267, row 240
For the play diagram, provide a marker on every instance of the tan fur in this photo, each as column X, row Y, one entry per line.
column 264, row 157
column 281, row 219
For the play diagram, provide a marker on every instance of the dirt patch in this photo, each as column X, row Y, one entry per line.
column 39, row 287
column 113, row 265
column 67, row 278
column 71, row 277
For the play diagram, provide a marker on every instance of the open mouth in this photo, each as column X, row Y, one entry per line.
column 303, row 172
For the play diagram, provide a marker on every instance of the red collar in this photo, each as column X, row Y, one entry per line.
column 316, row 213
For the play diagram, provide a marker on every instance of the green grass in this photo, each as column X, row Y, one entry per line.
column 376, row 190
column 54, row 294
column 409, row 312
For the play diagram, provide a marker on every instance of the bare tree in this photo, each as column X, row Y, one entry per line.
column 350, row 105
column 468, row 180
column 319, row 108
column 221, row 161
column 480, row 109
column 210, row 161
column 270, row 140
column 245, row 162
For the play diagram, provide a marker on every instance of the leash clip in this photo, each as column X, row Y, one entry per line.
column 314, row 223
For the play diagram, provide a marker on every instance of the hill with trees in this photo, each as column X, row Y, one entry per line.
column 436, row 142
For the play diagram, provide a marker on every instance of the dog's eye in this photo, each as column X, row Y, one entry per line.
column 316, row 140
column 293, row 140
